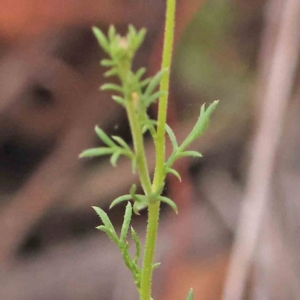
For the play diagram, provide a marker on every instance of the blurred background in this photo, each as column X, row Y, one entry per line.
column 236, row 235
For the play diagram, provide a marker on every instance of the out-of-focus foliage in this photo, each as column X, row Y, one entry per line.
column 208, row 64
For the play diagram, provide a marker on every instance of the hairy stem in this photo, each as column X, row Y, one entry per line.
column 137, row 136
column 159, row 176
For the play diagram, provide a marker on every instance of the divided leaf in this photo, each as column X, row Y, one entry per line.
column 104, row 218
column 200, row 125
column 121, row 51
column 110, row 234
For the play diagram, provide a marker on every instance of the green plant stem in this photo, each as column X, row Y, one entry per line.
column 146, row 282
column 159, row 176
column 137, row 137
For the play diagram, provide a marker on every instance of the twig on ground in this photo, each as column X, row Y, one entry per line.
column 281, row 74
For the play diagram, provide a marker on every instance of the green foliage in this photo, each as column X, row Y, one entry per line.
column 116, row 147
column 180, row 151
column 136, row 93
column 211, row 64
column 134, row 89
column 121, row 242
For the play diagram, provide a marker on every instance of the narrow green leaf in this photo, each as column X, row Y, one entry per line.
column 112, row 235
column 156, row 265
column 107, row 63
column 149, row 124
column 190, row 295
column 111, row 87
column 96, row 152
column 119, row 200
column 141, row 198
column 133, row 164
column 140, row 38
column 137, row 275
column 212, row 107
column 154, row 82
column 111, row 72
column 153, row 196
column 138, row 278
column 104, row 137
column 132, row 30
column 137, row 206
column 104, row 218
column 169, row 202
column 126, row 222
column 145, row 82
column 203, row 119
column 137, row 242
column 140, row 73
column 126, row 257
column 189, row 153
column 145, row 128
column 114, row 158
column 174, row 172
column 101, row 38
column 121, row 142
column 111, row 32
column 151, row 99
column 119, row 100
column 132, row 190
column 200, row 125
column 172, row 137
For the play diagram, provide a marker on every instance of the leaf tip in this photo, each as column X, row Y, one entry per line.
column 190, row 295
column 95, row 208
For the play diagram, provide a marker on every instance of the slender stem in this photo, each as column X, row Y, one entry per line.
column 146, row 282
column 159, row 176
column 163, row 101
column 137, row 136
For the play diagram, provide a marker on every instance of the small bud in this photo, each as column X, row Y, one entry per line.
column 123, row 43
column 135, row 98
